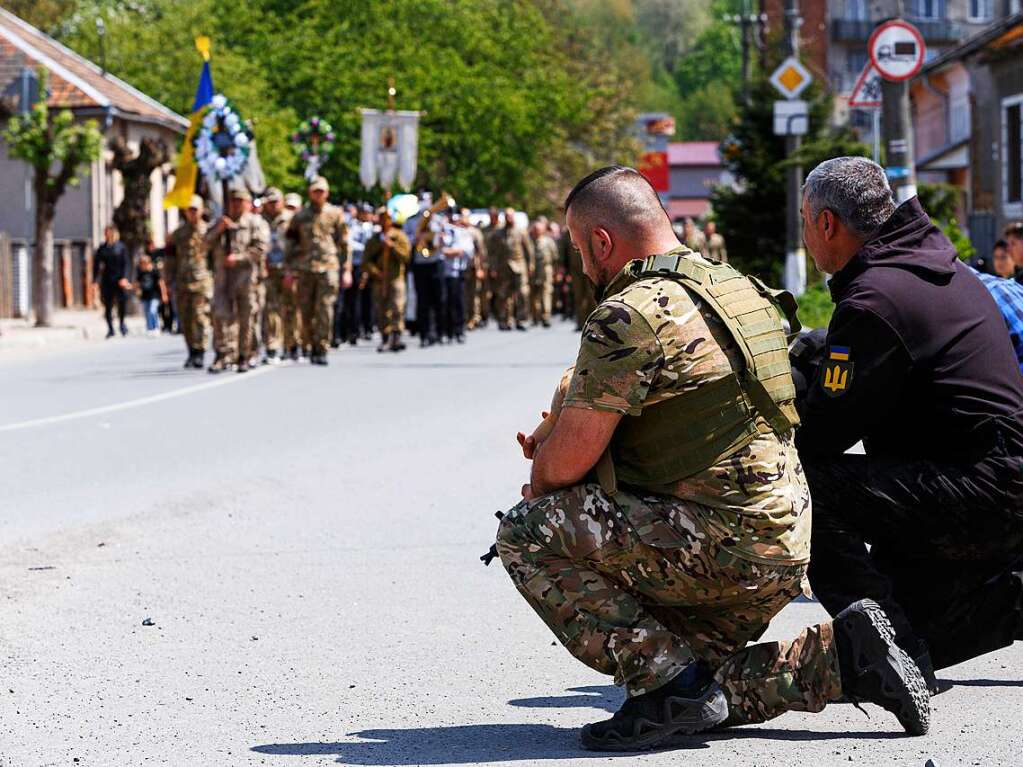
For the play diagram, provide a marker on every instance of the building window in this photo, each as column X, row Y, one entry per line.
column 927, row 9
column 981, row 10
column 1012, row 152
column 855, row 62
column 856, row 10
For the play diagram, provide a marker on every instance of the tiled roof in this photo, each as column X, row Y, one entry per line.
column 75, row 82
column 694, row 153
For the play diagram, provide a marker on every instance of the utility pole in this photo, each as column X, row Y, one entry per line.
column 747, row 21
column 795, row 257
column 897, row 131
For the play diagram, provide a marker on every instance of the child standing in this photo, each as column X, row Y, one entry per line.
column 152, row 292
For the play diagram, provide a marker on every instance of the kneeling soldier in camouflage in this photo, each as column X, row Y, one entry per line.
column 667, row 519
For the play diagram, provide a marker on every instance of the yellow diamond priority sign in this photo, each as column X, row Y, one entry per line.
column 791, row 78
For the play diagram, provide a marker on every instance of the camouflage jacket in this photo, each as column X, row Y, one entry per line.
column 509, row 249
column 275, row 255
column 545, row 258
column 696, row 242
column 250, row 239
column 716, row 248
column 650, row 342
column 186, row 263
column 388, row 266
column 318, row 240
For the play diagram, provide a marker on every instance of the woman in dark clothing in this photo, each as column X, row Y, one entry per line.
column 110, row 270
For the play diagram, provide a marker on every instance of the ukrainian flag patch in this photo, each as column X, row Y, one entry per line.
column 840, row 353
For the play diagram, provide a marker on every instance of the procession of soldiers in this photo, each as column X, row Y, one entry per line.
column 278, row 279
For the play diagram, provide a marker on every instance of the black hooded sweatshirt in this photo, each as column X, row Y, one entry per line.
column 929, row 370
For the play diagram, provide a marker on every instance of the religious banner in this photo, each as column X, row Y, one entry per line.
column 390, row 146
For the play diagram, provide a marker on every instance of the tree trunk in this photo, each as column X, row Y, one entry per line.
column 42, row 267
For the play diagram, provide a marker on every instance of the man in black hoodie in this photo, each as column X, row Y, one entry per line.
column 918, row 365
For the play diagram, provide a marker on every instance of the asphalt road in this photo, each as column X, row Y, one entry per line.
column 305, row 542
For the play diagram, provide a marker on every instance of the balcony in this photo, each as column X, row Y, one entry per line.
column 935, row 31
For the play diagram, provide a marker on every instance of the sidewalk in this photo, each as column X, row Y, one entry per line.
column 70, row 326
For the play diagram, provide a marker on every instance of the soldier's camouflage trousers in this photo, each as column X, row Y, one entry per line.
column 317, row 294
column 194, row 313
column 473, row 299
column 233, row 313
column 273, row 315
column 542, row 295
column 512, row 296
column 389, row 300
column 634, row 588
column 258, row 314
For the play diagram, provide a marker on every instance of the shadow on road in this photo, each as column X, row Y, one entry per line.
column 985, row 682
column 483, row 743
column 606, row 697
column 467, row 744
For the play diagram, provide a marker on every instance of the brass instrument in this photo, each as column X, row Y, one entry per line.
column 424, row 237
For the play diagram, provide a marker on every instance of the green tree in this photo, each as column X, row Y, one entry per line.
column 521, row 96
column 151, row 45
column 57, row 148
column 751, row 212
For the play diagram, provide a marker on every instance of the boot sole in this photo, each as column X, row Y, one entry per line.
column 900, row 677
column 712, row 710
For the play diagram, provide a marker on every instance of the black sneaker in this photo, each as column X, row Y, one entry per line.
column 520, row 326
column 876, row 670
column 124, row 329
column 649, row 719
column 294, row 354
column 243, row 366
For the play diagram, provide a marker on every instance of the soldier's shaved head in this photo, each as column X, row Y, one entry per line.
column 618, row 198
column 614, row 215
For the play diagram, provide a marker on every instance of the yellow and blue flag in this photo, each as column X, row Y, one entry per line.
column 187, row 171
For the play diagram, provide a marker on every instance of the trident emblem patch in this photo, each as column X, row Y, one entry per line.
column 837, row 373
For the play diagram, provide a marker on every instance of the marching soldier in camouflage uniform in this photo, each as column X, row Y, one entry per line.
column 716, row 249
column 277, row 218
column 583, row 302
column 385, row 260
column 291, row 318
column 667, row 518
column 186, row 264
column 510, row 252
column 545, row 257
column 318, row 255
column 475, row 275
column 693, row 238
column 235, row 283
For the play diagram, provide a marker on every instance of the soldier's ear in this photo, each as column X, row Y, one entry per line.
column 604, row 244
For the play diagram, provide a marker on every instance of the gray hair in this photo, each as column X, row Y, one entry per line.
column 854, row 189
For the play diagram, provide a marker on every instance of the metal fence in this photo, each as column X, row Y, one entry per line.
column 72, row 275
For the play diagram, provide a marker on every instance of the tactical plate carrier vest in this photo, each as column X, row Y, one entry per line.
column 682, row 436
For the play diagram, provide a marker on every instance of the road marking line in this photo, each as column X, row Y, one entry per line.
column 231, row 378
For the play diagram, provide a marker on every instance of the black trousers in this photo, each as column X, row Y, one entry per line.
column 355, row 315
column 946, row 547
column 454, row 306
column 113, row 295
column 429, row 283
